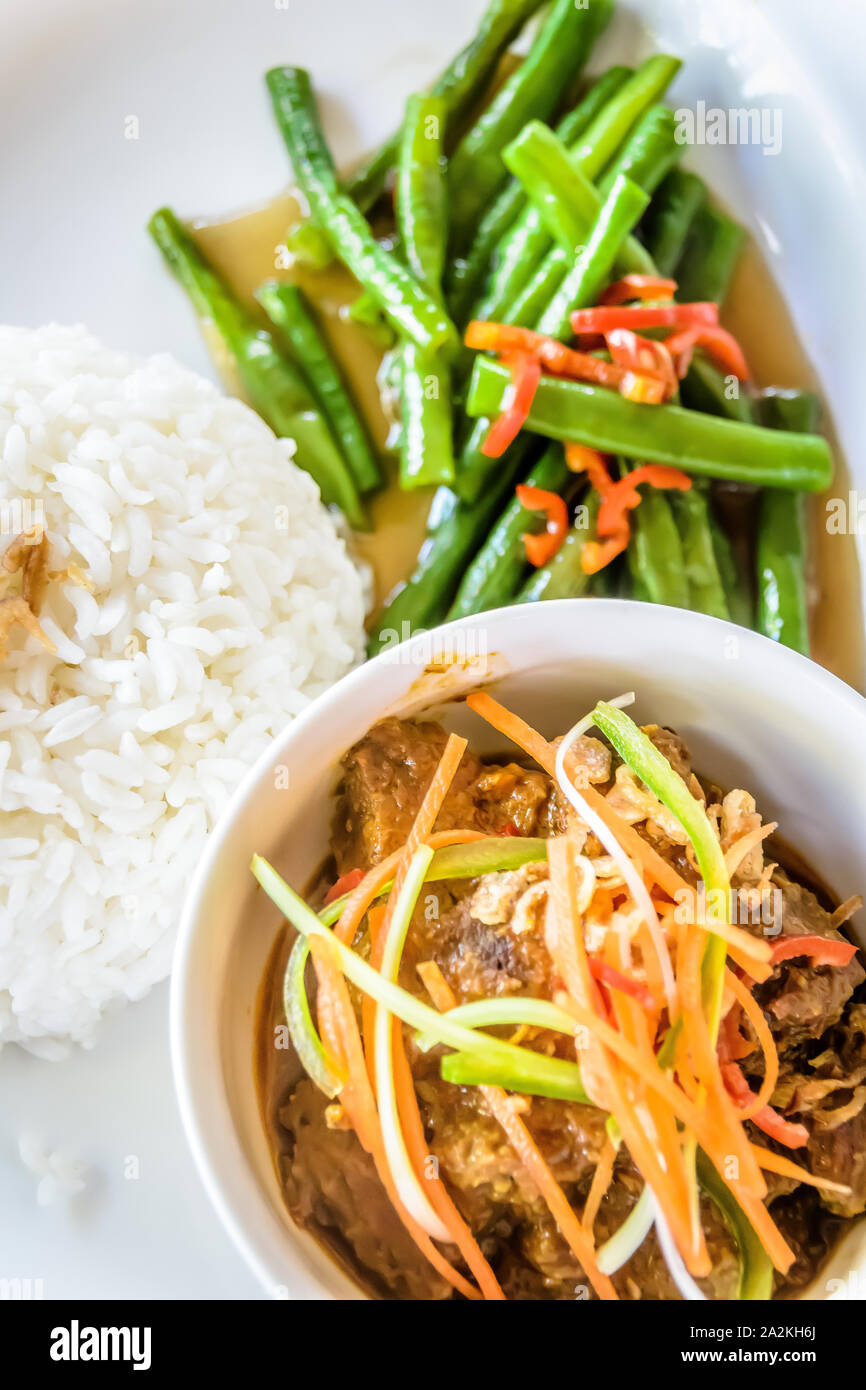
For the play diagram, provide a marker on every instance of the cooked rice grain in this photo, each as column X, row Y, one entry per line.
column 220, row 600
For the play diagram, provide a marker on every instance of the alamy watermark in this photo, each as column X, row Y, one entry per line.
column 732, row 125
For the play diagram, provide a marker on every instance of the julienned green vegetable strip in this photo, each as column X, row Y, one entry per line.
column 302, row 1030
column 494, row 576
column 532, row 1065
column 467, row 275
column 564, row 575
column 653, row 768
column 756, row 1267
column 426, row 441
column 461, row 84
column 514, row 1011
column 559, row 50
column 783, row 609
column 685, row 439
column 275, row 387
column 287, row 307
column 409, row 307
column 489, row 856
column 669, row 218
column 471, row 1069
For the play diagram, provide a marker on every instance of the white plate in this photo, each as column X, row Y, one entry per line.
column 76, row 195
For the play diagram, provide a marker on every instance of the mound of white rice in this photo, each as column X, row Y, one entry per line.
column 219, row 601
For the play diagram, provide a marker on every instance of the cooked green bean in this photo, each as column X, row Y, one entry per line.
column 494, row 576
column 287, row 307
column 535, row 89
column 427, row 451
column 309, row 245
column 706, row 590
column 467, row 275
column 622, row 209
column 701, row 444
column 669, row 218
column 709, row 257
column 735, row 579
column 566, row 202
column 276, row 389
column 649, row 153
column 655, row 552
column 564, row 575
column 706, row 389
column 460, row 86
column 409, row 307
column 783, row 610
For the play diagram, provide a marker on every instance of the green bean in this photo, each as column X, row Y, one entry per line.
column 566, row 202
column 455, row 530
column 669, row 218
column 495, row 574
column 365, row 312
column 420, row 201
column 287, row 307
column 622, row 209
column 705, row 389
column 783, row 610
column 649, row 153
column 467, row 275
column 564, row 575
column 706, row 591
column 276, row 389
column 655, row 552
column 409, row 308
column 426, row 440
column 735, row 580
column 427, row 454
column 558, row 52
column 309, row 245
column 701, row 444
column 709, row 257
column 599, row 143
column 460, row 86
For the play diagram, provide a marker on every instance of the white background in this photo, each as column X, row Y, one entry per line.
column 75, row 197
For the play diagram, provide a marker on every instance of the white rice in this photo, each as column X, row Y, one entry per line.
column 223, row 601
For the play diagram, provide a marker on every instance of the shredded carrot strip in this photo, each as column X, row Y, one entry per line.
column 502, row 1108
column 436, row 986
column 601, row 1180
column 775, row 1163
column 755, row 1015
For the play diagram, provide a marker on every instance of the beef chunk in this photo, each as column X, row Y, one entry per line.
column 333, row 1190
column 386, row 775
column 801, row 1001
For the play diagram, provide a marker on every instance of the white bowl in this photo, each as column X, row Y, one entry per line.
column 754, row 715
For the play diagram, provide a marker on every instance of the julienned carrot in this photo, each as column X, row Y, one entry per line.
column 436, row 985
column 776, row 1163
column 657, row 868
column 755, row 1015
column 502, row 1108
column 601, row 1180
